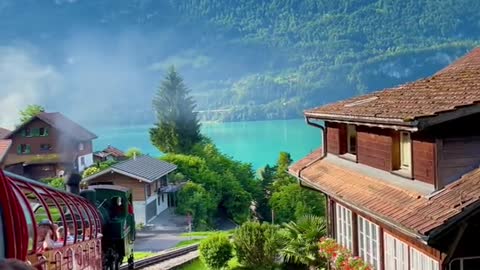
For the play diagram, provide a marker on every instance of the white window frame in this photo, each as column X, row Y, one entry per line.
column 421, row 261
column 396, row 253
column 405, row 155
column 369, row 242
column 81, row 147
column 343, row 225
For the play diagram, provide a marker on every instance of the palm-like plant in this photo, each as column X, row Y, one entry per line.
column 300, row 241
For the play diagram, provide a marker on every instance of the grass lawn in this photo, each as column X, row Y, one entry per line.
column 195, row 265
column 188, row 242
column 139, row 256
column 206, row 233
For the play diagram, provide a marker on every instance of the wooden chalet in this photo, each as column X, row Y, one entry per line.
column 400, row 171
column 47, row 144
column 109, row 154
column 147, row 177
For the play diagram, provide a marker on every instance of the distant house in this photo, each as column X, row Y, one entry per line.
column 109, row 154
column 4, row 132
column 47, row 144
column 4, row 147
column 148, row 179
column 400, row 170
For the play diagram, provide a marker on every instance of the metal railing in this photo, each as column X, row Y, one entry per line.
column 461, row 261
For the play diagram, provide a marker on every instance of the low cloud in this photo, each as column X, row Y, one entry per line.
column 188, row 59
column 24, row 81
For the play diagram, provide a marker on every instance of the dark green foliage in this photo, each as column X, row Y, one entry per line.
column 231, row 184
column 177, row 127
column 193, row 199
column 291, row 202
column 29, row 112
column 257, row 245
column 282, row 194
column 216, row 251
column 300, row 240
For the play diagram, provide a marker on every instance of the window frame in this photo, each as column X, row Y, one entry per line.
column 429, row 264
column 344, row 226
column 392, row 258
column 29, row 133
column 81, row 147
column 45, row 149
column 366, row 242
column 148, row 190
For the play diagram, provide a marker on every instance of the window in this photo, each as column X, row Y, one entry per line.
column 420, row 261
column 344, row 226
column 81, row 146
column 23, row 149
column 42, row 132
column 45, row 147
column 27, row 132
column 82, row 161
column 405, row 150
column 351, row 139
column 149, row 190
column 396, row 253
column 368, row 242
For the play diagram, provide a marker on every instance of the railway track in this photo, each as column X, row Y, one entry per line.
column 162, row 257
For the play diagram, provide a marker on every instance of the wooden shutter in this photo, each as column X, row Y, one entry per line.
column 27, row 149
column 46, row 131
column 35, row 132
column 19, row 149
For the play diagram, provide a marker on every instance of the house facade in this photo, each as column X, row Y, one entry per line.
column 400, row 171
column 47, row 144
column 147, row 177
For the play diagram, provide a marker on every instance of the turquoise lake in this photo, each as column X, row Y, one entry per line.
column 257, row 142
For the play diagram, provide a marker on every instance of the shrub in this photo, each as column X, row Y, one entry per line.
column 90, row 171
column 55, row 182
column 257, row 245
column 216, row 251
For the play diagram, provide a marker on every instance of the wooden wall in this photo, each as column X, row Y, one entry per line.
column 423, row 158
column 336, row 138
column 138, row 188
column 457, row 156
column 374, row 147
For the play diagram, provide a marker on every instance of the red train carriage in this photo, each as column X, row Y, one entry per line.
column 46, row 227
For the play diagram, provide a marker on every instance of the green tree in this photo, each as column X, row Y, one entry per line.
column 300, row 241
column 177, row 128
column 134, row 151
column 291, row 202
column 55, row 182
column 216, row 251
column 29, row 112
column 257, row 245
column 195, row 200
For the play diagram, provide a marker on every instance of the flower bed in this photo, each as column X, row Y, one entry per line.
column 339, row 257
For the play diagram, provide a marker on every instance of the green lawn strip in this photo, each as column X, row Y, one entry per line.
column 206, row 233
column 139, row 256
column 194, row 265
column 188, row 242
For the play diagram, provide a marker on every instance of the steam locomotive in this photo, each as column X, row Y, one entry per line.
column 53, row 229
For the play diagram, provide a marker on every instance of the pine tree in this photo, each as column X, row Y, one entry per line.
column 177, row 128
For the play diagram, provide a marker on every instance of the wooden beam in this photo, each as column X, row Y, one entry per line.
column 449, row 115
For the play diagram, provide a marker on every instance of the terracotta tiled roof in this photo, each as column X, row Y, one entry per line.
column 4, row 132
column 4, row 146
column 114, row 151
column 407, row 209
column 456, row 86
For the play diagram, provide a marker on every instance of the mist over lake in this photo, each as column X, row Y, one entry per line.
column 256, row 142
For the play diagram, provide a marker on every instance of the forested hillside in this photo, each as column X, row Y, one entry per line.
column 326, row 50
column 244, row 60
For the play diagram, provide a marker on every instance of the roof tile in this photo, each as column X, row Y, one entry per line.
column 145, row 167
column 408, row 209
column 453, row 87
